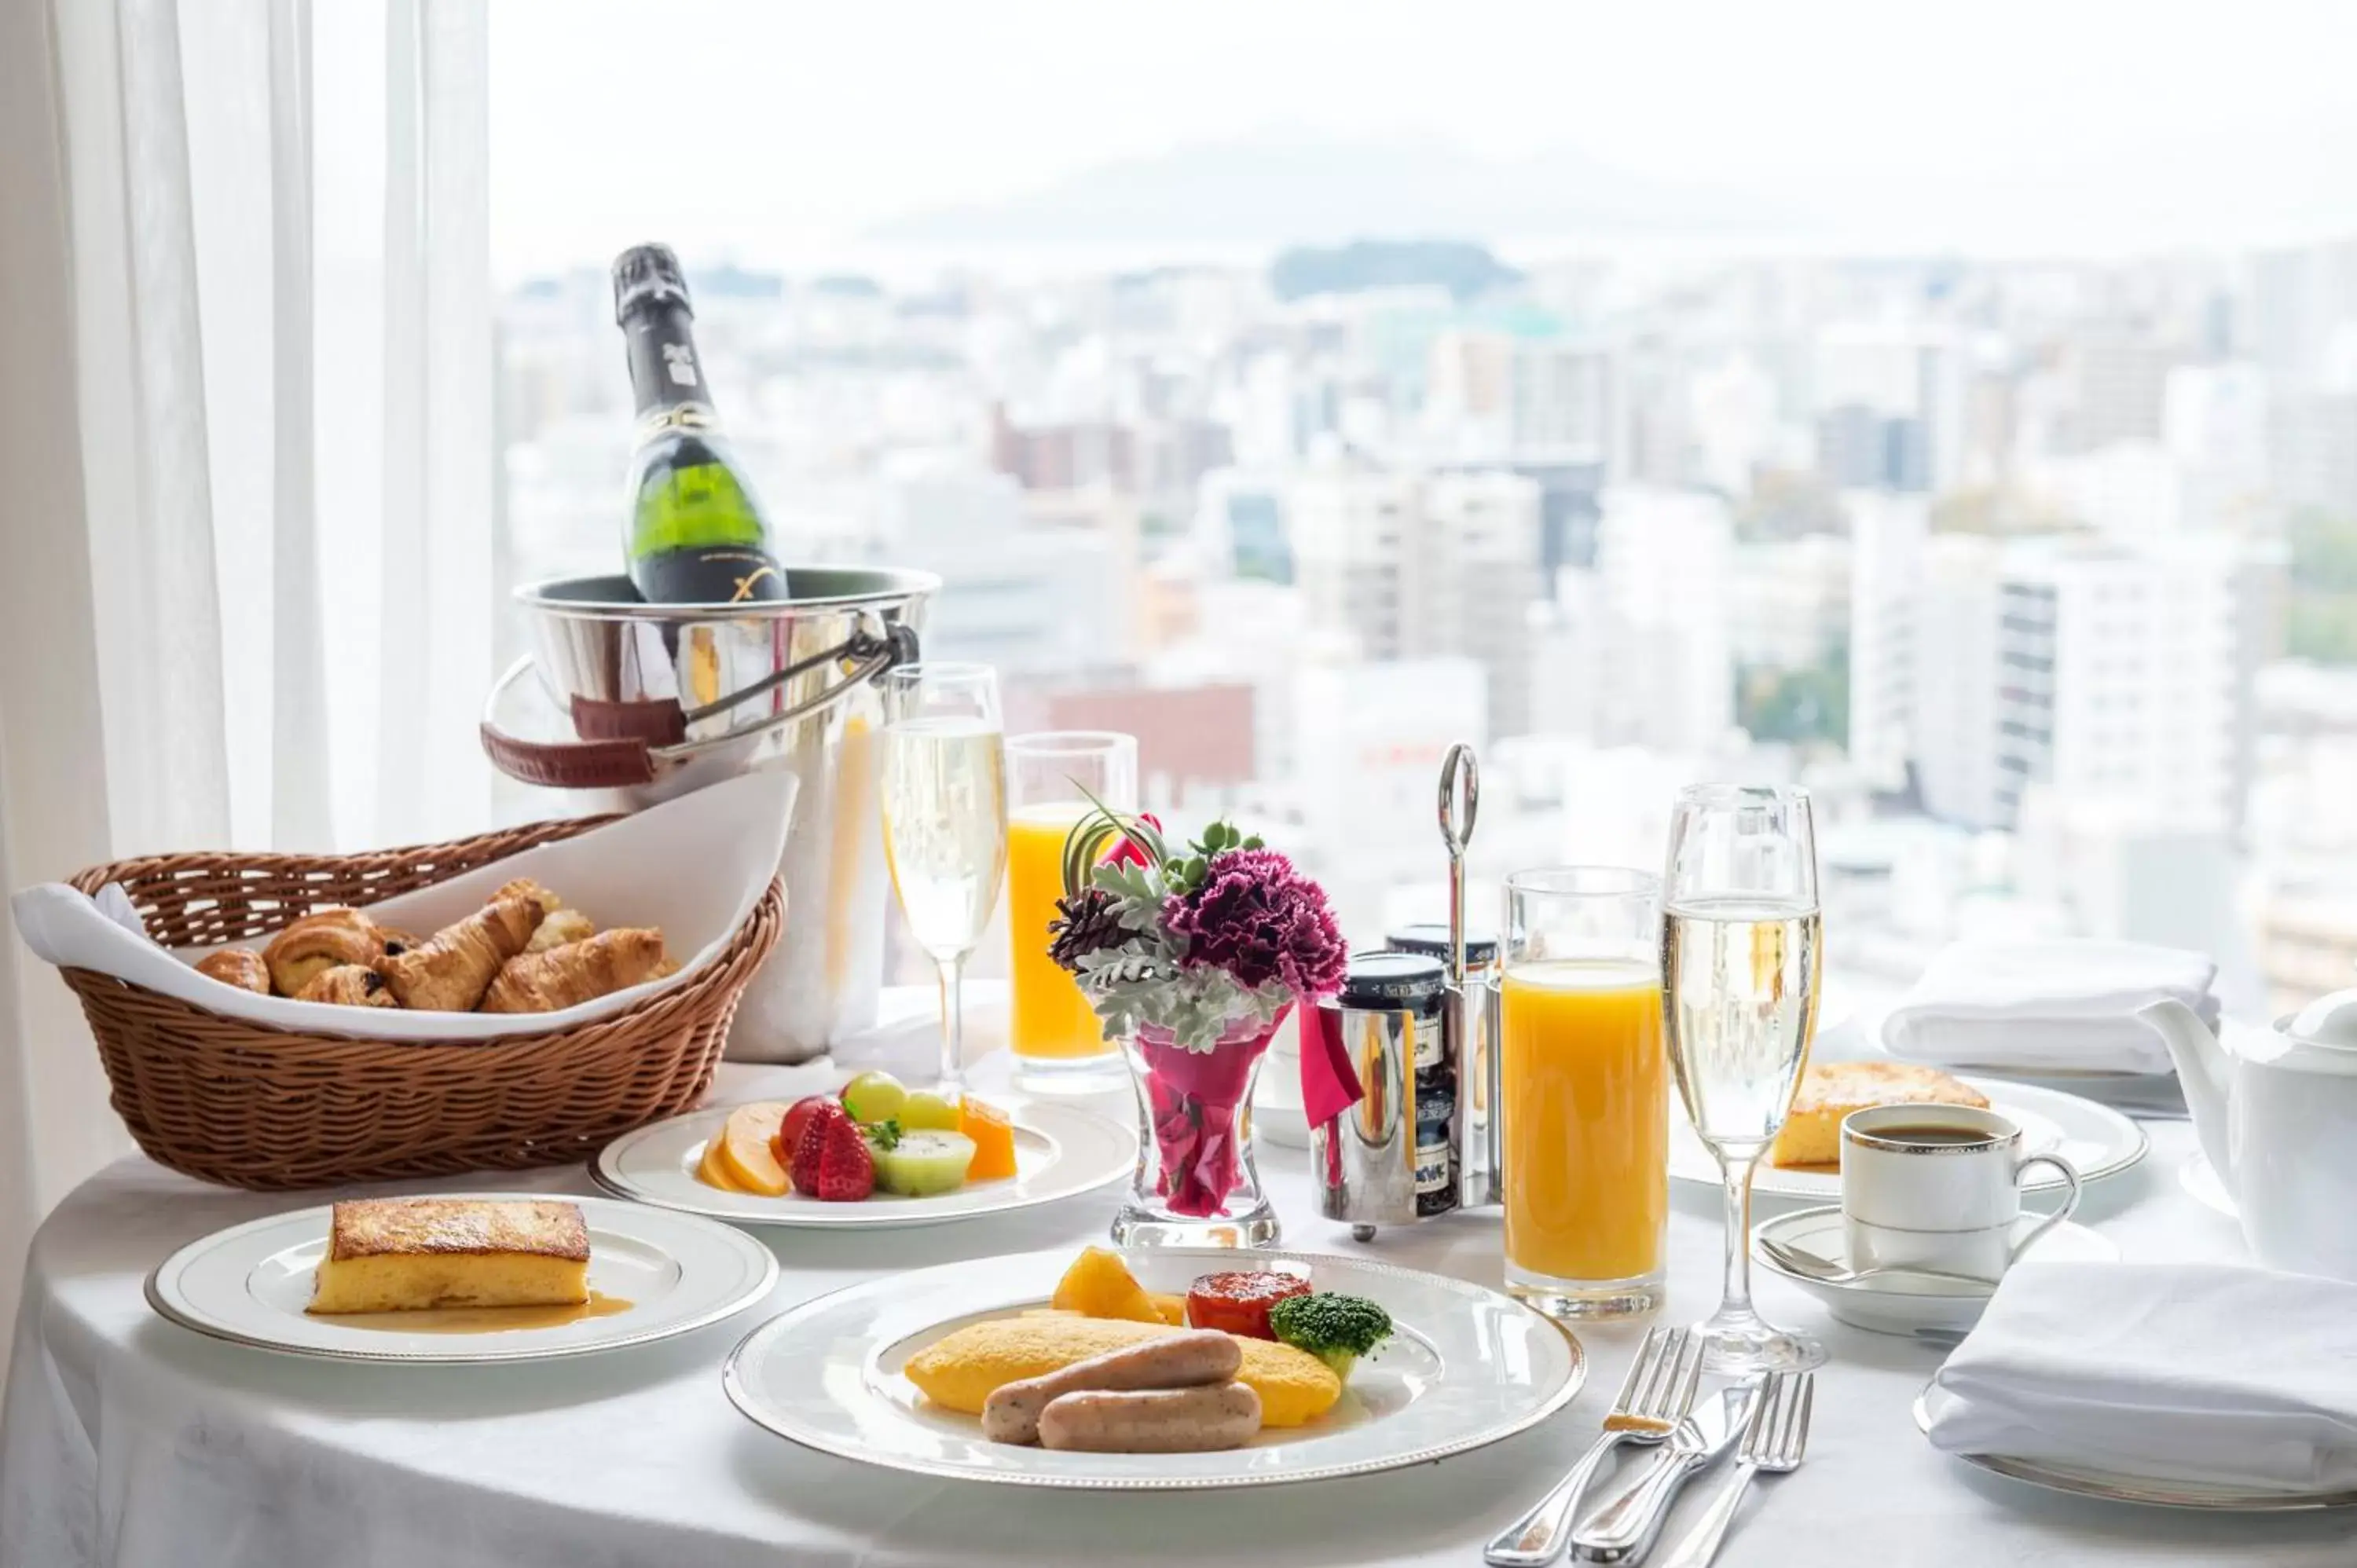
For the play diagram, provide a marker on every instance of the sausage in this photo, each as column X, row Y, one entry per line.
column 1152, row 1421
column 1189, row 1359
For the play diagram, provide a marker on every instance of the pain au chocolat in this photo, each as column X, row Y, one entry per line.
column 404, row 1254
column 1831, row 1090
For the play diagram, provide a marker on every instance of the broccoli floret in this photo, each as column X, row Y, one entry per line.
column 1338, row 1330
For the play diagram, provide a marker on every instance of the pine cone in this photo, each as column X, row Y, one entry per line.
column 1082, row 926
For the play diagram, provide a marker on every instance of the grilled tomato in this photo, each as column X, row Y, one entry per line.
column 1238, row 1303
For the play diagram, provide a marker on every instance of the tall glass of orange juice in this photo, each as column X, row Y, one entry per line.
column 1058, row 1044
column 1584, row 1091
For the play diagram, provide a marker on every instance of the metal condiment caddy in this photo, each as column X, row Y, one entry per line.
column 1418, row 1021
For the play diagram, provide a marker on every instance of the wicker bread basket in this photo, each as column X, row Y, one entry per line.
column 253, row 1106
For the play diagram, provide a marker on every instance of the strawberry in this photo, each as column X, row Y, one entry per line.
column 789, row 1130
column 832, row 1162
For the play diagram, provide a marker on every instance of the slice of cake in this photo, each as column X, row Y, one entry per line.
column 406, row 1254
column 1831, row 1090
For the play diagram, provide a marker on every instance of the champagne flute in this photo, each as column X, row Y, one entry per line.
column 1740, row 955
column 945, row 820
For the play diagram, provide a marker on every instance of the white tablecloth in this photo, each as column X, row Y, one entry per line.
column 130, row 1442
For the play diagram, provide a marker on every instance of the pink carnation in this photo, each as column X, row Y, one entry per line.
column 1260, row 920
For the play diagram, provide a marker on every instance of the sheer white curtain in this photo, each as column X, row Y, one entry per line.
column 245, row 573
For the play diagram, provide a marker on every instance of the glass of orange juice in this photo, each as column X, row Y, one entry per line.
column 1058, row 1044
column 1584, row 1091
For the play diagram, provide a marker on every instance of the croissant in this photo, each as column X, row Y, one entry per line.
column 560, row 927
column 240, row 967
column 450, row 971
column 320, row 940
column 526, row 887
column 576, row 972
column 347, row 985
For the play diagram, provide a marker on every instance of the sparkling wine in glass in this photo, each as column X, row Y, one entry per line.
column 1742, row 952
column 945, row 819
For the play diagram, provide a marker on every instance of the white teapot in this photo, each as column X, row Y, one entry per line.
column 2276, row 1113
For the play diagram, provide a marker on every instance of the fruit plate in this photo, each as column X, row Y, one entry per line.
column 1465, row 1366
column 2096, row 1139
column 661, row 1275
column 1060, row 1151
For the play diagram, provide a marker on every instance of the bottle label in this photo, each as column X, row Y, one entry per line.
column 1432, row 1167
column 709, row 576
column 664, row 371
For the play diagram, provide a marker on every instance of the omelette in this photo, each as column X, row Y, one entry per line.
column 959, row 1370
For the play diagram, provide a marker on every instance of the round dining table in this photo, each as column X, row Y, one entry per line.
column 130, row 1442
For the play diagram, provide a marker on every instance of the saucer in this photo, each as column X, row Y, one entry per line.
column 1898, row 1306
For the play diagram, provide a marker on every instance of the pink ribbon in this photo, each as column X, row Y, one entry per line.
column 1329, row 1084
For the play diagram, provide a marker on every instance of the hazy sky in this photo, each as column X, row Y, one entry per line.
column 772, row 129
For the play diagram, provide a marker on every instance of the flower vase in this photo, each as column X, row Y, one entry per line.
column 1196, row 1184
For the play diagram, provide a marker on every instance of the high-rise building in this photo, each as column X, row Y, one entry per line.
column 2121, row 673
column 1888, row 536
column 2301, row 301
column 2313, row 446
column 1561, row 402
column 1954, row 737
column 1668, row 675
column 1417, row 565
column 1908, row 385
column 2115, row 374
column 1025, row 598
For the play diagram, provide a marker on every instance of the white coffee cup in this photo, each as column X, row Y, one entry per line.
column 1939, row 1187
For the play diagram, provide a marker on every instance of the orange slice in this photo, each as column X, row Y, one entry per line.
column 709, row 1171
column 745, row 1153
column 994, row 1140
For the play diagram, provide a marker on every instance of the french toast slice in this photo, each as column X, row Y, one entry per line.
column 410, row 1254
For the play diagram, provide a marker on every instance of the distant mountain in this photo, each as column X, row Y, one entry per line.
column 1280, row 188
column 1462, row 269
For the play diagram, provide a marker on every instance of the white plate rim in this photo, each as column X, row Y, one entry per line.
column 898, row 1214
column 1770, row 1181
column 764, row 1277
column 733, row 1380
column 2142, row 1490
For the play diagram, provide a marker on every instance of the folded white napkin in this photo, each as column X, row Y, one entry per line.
column 695, row 867
column 2225, row 1376
column 2055, row 1006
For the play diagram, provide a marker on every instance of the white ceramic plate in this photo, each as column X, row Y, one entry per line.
column 2096, row 1139
column 1060, row 1151
column 1466, row 1367
column 249, row 1284
column 2055, row 1476
column 1902, row 1306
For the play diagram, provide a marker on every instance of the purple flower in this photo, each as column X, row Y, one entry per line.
column 1260, row 920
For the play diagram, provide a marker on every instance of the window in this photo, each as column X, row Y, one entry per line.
column 1666, row 454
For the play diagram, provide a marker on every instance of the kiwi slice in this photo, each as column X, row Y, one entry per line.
column 920, row 1164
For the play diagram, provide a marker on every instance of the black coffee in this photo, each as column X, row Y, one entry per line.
column 1928, row 1134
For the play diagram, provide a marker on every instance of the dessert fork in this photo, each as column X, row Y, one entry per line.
column 1655, row 1396
column 1774, row 1441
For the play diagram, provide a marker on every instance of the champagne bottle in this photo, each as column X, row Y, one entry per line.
column 694, row 534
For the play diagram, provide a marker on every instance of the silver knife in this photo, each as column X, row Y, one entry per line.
column 1624, row 1525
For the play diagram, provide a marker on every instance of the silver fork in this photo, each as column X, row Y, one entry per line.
column 1774, row 1441
column 1655, row 1396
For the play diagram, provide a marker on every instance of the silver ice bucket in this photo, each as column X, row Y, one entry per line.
column 645, row 702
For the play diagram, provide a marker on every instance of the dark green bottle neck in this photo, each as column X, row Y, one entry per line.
column 665, row 371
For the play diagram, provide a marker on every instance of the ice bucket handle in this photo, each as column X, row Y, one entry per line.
column 627, row 756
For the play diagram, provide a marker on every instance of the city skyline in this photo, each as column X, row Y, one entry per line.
column 2002, row 560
